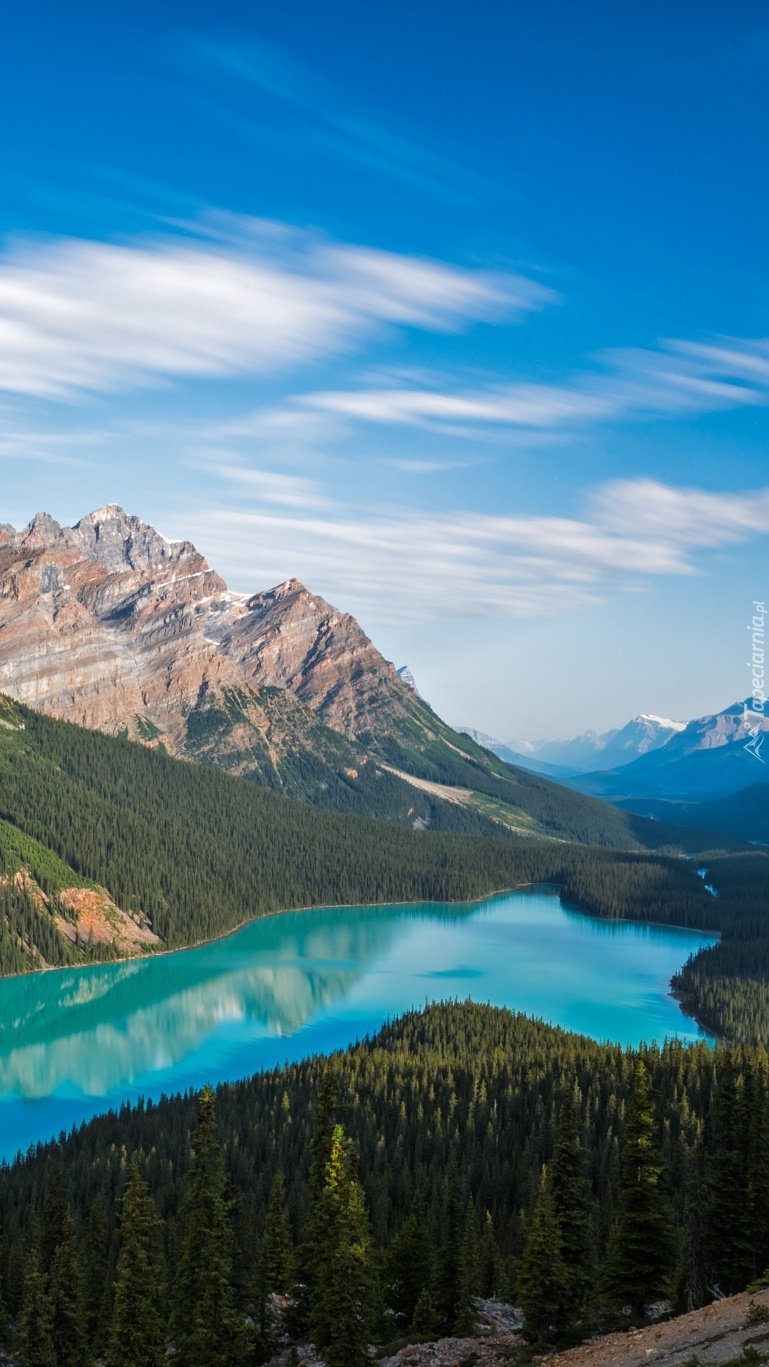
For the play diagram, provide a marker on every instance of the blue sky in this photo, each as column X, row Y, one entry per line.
column 458, row 312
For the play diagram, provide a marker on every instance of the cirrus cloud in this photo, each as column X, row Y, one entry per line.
column 404, row 566
column 677, row 378
column 258, row 298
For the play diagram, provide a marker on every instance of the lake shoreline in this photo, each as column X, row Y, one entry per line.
column 293, row 986
column 343, row 906
column 554, row 888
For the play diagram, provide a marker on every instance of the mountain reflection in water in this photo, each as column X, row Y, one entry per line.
column 75, row 1042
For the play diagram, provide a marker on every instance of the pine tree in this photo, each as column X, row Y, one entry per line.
column 448, row 1271
column 324, row 1120
column 409, row 1267
column 467, row 1319
column 571, row 1200
column 424, row 1319
column 343, row 1291
column 98, row 1275
column 35, row 1329
column 137, row 1336
column 204, row 1324
column 542, row 1275
column 54, row 1218
column 490, row 1267
column 68, row 1303
column 273, row 1271
column 641, row 1250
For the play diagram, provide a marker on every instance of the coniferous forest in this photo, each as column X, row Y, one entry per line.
column 372, row 1196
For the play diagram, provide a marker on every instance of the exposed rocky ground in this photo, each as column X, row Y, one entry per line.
column 729, row 1333
column 726, row 1332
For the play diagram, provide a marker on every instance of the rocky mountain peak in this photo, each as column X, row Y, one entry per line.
column 120, row 541
column 291, row 588
column 113, row 626
column 42, row 533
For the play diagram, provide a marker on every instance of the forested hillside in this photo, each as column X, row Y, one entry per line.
column 453, row 1112
column 179, row 854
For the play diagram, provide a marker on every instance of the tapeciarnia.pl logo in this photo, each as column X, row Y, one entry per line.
column 757, row 705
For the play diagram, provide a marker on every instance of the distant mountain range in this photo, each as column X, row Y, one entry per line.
column 711, row 757
column 109, row 625
column 588, row 752
column 712, row 771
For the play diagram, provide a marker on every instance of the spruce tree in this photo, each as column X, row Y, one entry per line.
column 726, row 1235
column 423, row 1323
column 68, row 1301
column 466, row 1318
column 490, row 1267
column 275, row 1258
column 542, row 1275
column 409, row 1267
column 342, row 1298
column 757, row 1124
column 3, row 1306
column 571, row 1200
column 54, row 1217
column 274, row 1265
column 324, row 1120
column 137, row 1336
column 34, row 1339
column 204, row 1324
column 641, row 1249
column 448, row 1270
column 98, row 1275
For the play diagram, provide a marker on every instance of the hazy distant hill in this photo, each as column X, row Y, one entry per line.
column 712, row 757
column 523, row 759
column 595, row 750
column 744, row 814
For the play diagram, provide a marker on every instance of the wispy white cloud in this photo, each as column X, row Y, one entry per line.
column 255, row 299
column 404, row 566
column 270, row 486
column 694, row 517
column 679, row 377
column 521, row 405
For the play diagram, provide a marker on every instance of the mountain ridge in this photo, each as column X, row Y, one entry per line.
column 111, row 626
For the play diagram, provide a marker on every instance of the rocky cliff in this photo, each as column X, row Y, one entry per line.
column 109, row 625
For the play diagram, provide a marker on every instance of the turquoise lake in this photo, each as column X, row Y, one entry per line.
column 76, row 1042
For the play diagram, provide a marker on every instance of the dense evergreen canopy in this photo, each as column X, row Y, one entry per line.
column 447, row 1119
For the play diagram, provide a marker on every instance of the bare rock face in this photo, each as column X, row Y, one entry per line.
column 290, row 638
column 98, row 623
column 109, row 625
